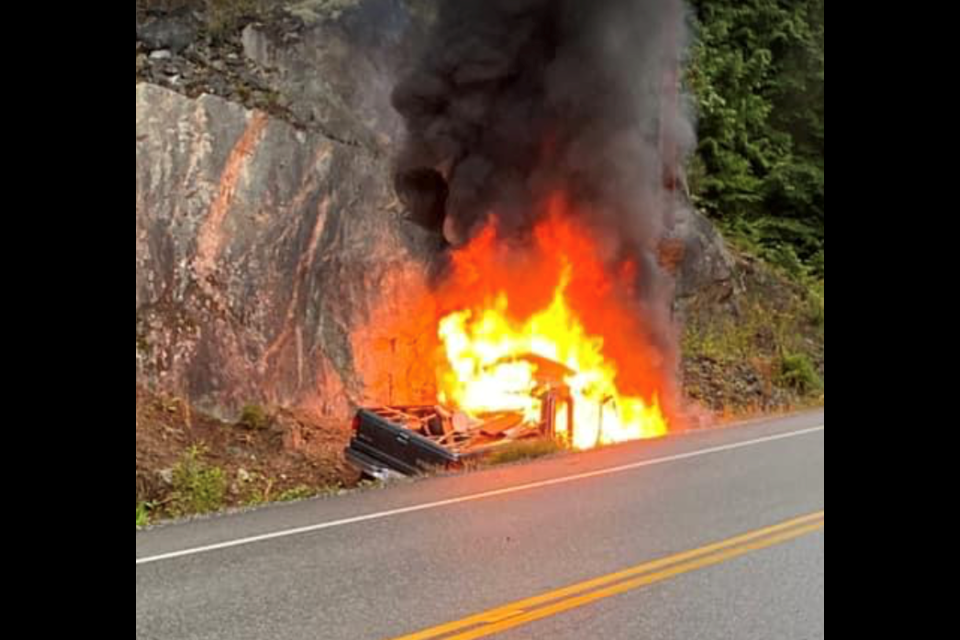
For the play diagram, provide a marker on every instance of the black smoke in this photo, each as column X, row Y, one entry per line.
column 513, row 99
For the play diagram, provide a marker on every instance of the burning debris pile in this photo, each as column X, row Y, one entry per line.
column 411, row 439
column 541, row 138
column 554, row 299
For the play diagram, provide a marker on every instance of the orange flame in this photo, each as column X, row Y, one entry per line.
column 508, row 310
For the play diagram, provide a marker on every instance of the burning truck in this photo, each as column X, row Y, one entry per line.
column 560, row 353
column 410, row 440
column 543, row 145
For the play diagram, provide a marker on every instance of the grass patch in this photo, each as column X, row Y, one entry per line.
column 773, row 319
column 255, row 417
column 524, row 450
column 302, row 492
column 143, row 514
column 225, row 17
column 761, row 351
column 265, row 495
column 197, row 486
column 797, row 372
column 759, row 328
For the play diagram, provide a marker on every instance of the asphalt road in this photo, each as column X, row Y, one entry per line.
column 711, row 535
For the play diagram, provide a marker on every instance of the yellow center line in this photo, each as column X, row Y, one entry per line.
column 630, row 585
column 578, row 595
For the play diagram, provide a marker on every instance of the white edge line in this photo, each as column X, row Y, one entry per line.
column 471, row 498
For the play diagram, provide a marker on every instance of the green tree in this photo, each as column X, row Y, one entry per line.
column 757, row 72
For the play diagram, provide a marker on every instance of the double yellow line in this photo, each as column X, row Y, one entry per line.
column 556, row 602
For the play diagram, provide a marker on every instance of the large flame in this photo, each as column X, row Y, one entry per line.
column 517, row 310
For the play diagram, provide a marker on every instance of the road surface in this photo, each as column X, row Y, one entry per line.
column 710, row 535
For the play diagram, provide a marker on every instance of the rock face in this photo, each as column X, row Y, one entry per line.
column 260, row 250
column 335, row 63
column 274, row 262
column 705, row 264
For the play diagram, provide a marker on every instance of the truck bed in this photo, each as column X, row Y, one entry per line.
column 411, row 440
